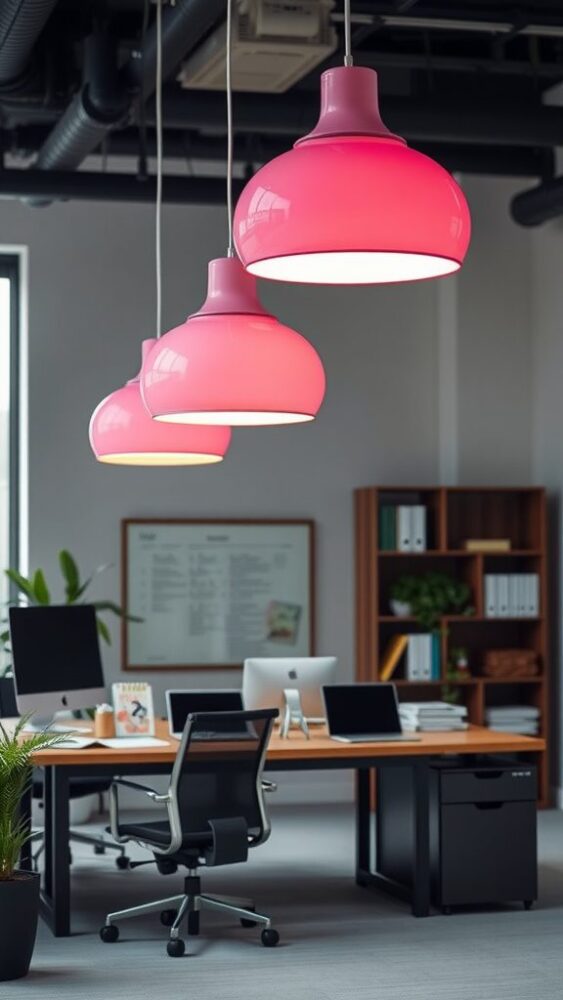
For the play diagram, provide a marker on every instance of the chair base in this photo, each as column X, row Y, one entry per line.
column 187, row 906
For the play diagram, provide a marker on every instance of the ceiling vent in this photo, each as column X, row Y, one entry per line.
column 274, row 44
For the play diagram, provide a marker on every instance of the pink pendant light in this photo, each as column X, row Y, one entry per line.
column 123, row 433
column 351, row 203
column 232, row 362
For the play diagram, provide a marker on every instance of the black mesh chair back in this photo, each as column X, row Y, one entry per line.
column 217, row 772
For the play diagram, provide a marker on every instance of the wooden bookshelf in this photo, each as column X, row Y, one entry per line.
column 454, row 514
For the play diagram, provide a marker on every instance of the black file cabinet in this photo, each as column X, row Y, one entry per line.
column 483, row 842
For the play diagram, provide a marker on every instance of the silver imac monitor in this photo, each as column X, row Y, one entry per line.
column 56, row 660
column 265, row 683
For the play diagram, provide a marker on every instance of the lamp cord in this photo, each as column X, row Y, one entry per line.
column 229, row 90
column 348, row 59
column 158, row 214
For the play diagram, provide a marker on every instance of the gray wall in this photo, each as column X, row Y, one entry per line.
column 388, row 352
column 547, row 316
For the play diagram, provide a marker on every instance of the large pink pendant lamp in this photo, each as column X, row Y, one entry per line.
column 351, row 203
column 232, row 362
column 122, row 431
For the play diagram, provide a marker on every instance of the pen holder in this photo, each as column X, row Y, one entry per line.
column 104, row 725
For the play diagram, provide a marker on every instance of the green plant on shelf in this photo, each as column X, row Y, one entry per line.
column 431, row 596
column 451, row 694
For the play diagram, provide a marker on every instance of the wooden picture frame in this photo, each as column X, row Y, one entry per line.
column 288, row 555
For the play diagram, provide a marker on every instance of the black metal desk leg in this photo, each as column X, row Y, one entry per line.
column 26, row 851
column 363, row 826
column 47, row 831
column 421, row 860
column 59, row 853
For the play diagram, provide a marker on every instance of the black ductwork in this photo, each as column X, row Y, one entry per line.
column 104, row 100
column 21, row 22
column 539, row 204
column 295, row 113
column 39, row 186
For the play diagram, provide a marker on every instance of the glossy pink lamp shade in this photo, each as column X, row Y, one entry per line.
column 123, row 433
column 232, row 362
column 351, row 203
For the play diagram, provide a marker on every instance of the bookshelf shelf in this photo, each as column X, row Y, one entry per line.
column 453, row 515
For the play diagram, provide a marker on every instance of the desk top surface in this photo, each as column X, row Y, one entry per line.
column 320, row 747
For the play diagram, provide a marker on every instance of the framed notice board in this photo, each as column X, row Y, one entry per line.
column 211, row 593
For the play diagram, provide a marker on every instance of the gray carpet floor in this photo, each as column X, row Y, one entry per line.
column 337, row 941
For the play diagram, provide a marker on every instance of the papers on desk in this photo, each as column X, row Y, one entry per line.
column 523, row 719
column 115, row 743
column 432, row 717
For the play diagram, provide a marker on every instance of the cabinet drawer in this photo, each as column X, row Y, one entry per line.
column 507, row 784
column 488, row 853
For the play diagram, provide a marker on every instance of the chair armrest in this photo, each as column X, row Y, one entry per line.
column 114, row 803
column 269, row 786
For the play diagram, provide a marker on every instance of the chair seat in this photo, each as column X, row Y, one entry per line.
column 158, row 832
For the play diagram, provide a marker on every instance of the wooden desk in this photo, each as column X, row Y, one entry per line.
column 293, row 754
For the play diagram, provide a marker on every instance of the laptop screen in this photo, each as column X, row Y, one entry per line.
column 181, row 703
column 354, row 709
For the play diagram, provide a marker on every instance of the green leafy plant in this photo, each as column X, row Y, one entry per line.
column 15, row 777
column 34, row 590
column 431, row 596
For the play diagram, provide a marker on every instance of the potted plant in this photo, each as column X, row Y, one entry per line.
column 19, row 889
column 429, row 597
column 34, row 590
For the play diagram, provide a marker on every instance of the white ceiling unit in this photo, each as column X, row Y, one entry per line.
column 275, row 43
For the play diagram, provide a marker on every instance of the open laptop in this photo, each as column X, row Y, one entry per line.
column 181, row 702
column 364, row 713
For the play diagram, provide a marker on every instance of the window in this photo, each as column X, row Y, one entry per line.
column 9, row 407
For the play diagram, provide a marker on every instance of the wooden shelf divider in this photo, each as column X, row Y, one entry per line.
column 455, row 514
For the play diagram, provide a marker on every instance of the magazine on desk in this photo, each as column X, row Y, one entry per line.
column 133, row 709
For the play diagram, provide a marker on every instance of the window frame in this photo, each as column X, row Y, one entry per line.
column 10, row 268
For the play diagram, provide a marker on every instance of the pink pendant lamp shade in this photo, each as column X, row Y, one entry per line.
column 351, row 203
column 123, row 433
column 232, row 362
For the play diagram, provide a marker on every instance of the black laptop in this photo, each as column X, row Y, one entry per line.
column 364, row 713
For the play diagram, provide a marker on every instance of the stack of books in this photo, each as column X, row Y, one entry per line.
column 523, row 719
column 402, row 529
column 512, row 595
column 432, row 716
column 422, row 657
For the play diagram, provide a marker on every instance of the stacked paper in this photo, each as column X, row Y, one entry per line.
column 432, row 716
column 523, row 719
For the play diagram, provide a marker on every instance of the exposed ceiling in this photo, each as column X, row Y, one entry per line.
column 470, row 82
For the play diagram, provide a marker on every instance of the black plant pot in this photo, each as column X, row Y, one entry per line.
column 19, row 911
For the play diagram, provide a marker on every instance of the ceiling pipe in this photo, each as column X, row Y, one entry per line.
column 294, row 113
column 104, row 100
column 21, row 23
column 539, row 204
column 38, row 185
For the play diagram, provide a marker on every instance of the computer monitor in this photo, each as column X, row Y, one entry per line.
column 56, row 660
column 264, row 682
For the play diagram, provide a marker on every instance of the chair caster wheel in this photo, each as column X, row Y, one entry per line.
column 528, row 903
column 270, row 937
column 176, row 948
column 193, row 923
column 167, row 917
column 99, row 849
column 122, row 861
column 109, row 933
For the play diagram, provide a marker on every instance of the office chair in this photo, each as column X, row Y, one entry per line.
column 78, row 788
column 215, row 813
